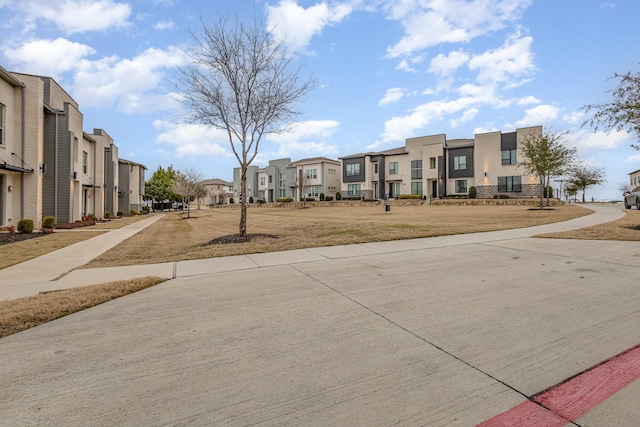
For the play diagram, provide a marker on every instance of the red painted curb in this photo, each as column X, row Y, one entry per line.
column 572, row 399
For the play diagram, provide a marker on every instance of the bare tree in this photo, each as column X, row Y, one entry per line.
column 185, row 185
column 582, row 176
column 244, row 82
column 545, row 156
column 200, row 192
column 623, row 112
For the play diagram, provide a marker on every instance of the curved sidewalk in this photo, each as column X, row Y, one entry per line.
column 44, row 272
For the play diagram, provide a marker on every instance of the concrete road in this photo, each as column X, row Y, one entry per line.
column 434, row 336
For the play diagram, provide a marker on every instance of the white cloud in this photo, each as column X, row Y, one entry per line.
column 633, row 159
column 512, row 60
column 296, row 25
column 574, row 117
column 467, row 116
column 126, row 83
column 48, row 57
column 165, row 25
column 431, row 23
column 447, row 64
column 191, row 140
column 392, row 96
column 528, row 100
column 585, row 140
column 540, row 115
column 404, row 66
column 76, row 16
column 307, row 138
column 397, row 129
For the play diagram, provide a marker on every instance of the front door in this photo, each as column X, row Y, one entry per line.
column 434, row 189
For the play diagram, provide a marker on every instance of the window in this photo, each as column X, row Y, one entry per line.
column 282, row 193
column 353, row 190
column 432, row 163
column 312, row 173
column 393, row 168
column 282, row 181
column 85, row 162
column 509, row 184
column 353, row 169
column 416, row 170
column 1, row 124
column 375, row 167
column 461, row 186
column 313, row 191
column 416, row 188
column 460, row 163
column 262, row 181
column 270, row 179
column 508, row 157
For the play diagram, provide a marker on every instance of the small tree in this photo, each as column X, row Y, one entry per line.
column 185, row 185
column 243, row 81
column 582, row 176
column 200, row 192
column 623, row 112
column 545, row 156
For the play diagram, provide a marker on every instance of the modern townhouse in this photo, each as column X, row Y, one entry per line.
column 284, row 179
column 433, row 166
column 634, row 179
column 48, row 165
column 219, row 191
column 315, row 176
column 130, row 185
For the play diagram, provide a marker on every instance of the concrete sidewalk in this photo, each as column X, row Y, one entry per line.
column 40, row 274
column 601, row 214
column 447, row 332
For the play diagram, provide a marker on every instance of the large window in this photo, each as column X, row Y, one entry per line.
column 1, row 124
column 509, row 184
column 353, row 190
column 262, row 181
column 432, row 163
column 313, row 191
column 353, row 169
column 416, row 170
column 508, row 157
column 85, row 162
column 460, row 163
column 416, row 188
column 282, row 181
column 393, row 168
column 282, row 193
column 312, row 173
column 461, row 186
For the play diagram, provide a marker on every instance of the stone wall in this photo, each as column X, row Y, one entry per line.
column 488, row 191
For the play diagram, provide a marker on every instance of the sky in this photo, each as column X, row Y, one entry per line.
column 384, row 71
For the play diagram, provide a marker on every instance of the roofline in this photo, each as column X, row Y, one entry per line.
column 10, row 78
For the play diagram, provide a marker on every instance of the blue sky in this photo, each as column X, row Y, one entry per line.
column 385, row 71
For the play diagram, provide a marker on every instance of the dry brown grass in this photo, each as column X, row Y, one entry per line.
column 626, row 228
column 18, row 252
column 174, row 238
column 24, row 313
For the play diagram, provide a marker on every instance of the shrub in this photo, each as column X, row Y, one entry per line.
column 146, row 209
column 284, row 200
column 120, row 213
column 501, row 196
column 251, row 199
column 260, row 201
column 338, row 196
column 472, row 192
column 92, row 217
column 328, row 198
column 410, row 196
column 107, row 215
column 231, row 200
column 135, row 212
column 25, row 226
column 548, row 191
column 49, row 222
column 322, row 197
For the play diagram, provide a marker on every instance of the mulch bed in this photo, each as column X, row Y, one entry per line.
column 8, row 238
column 237, row 238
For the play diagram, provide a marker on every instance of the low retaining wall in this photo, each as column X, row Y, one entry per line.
column 489, row 202
column 398, row 202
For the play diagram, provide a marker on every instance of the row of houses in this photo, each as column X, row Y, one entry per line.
column 49, row 166
column 426, row 167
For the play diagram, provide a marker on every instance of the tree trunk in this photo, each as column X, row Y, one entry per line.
column 542, row 192
column 243, row 201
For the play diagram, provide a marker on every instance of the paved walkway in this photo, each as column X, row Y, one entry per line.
column 456, row 331
column 56, row 270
